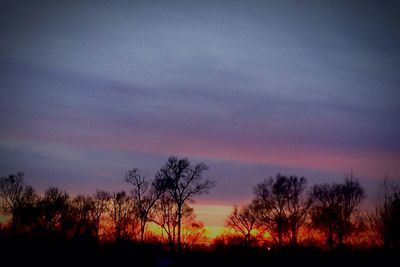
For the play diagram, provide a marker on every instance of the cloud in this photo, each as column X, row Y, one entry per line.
column 290, row 85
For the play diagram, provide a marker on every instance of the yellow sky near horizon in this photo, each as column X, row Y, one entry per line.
column 213, row 216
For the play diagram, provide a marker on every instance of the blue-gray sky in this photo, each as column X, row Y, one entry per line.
column 91, row 89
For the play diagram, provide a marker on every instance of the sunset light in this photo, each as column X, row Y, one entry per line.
column 199, row 133
column 213, row 217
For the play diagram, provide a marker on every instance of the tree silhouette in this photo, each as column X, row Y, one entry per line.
column 298, row 205
column 281, row 206
column 387, row 214
column 353, row 194
column 145, row 196
column 27, row 214
column 101, row 200
column 334, row 206
column 55, row 208
column 271, row 200
column 182, row 182
column 15, row 198
column 166, row 216
column 325, row 213
column 83, row 215
column 243, row 221
column 120, row 211
column 193, row 232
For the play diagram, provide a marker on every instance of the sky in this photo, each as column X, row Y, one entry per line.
column 89, row 90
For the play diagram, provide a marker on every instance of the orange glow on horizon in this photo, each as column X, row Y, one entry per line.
column 212, row 216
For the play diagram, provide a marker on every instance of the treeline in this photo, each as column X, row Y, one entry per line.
column 284, row 212
column 55, row 216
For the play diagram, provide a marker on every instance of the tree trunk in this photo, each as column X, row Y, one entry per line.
column 171, row 242
column 340, row 238
column 97, row 229
column 14, row 224
column 248, row 239
column 294, row 235
column 330, row 239
column 280, row 235
column 142, row 229
column 179, row 226
column 117, row 233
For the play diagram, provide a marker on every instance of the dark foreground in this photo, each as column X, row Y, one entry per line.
column 130, row 254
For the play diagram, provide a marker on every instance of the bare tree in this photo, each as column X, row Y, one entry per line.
column 55, row 208
column 271, row 200
column 13, row 196
column 166, row 216
column 282, row 205
column 325, row 213
column 101, row 200
column 352, row 194
column 28, row 213
column 120, row 211
column 299, row 202
column 334, row 207
column 387, row 214
column 83, row 213
column 145, row 196
column 193, row 233
column 243, row 221
column 182, row 182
